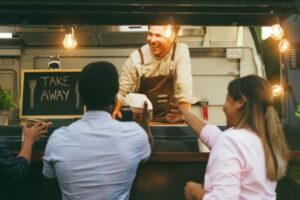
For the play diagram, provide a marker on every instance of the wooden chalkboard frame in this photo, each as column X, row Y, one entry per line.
column 45, row 116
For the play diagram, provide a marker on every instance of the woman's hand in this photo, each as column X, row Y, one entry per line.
column 31, row 132
column 193, row 191
column 34, row 131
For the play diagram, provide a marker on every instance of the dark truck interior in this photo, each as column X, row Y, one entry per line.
column 118, row 12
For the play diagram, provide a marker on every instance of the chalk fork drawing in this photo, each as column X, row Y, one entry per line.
column 77, row 94
column 32, row 86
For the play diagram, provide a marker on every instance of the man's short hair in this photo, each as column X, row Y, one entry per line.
column 176, row 28
column 98, row 85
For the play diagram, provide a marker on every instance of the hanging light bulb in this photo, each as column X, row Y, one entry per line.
column 169, row 31
column 70, row 40
column 277, row 32
column 266, row 32
column 277, row 90
column 284, row 45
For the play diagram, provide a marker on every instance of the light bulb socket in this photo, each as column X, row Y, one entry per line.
column 54, row 62
column 69, row 29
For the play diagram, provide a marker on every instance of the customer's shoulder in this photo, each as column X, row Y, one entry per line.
column 239, row 135
column 128, row 125
column 59, row 132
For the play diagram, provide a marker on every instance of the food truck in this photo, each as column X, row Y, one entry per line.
column 223, row 45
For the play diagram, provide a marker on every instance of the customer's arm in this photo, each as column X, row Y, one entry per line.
column 144, row 123
column 195, row 123
column 17, row 167
column 31, row 134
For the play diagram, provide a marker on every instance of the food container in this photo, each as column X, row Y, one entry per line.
column 136, row 103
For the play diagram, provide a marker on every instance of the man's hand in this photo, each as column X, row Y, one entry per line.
column 117, row 114
column 193, row 191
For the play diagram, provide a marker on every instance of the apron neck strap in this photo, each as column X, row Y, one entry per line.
column 172, row 62
column 173, row 53
column 141, row 56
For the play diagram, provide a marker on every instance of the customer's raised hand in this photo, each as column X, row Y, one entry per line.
column 35, row 130
column 32, row 132
column 175, row 114
column 142, row 118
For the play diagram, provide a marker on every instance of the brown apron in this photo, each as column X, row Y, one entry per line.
column 159, row 89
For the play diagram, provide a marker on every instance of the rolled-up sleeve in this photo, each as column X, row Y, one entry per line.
column 128, row 80
column 210, row 135
column 15, row 167
column 184, row 79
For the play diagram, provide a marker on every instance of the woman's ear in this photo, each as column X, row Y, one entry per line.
column 240, row 103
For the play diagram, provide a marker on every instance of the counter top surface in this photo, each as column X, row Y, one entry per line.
column 173, row 143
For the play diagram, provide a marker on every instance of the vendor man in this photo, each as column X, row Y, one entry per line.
column 161, row 69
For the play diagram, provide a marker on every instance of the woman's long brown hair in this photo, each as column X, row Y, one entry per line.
column 259, row 114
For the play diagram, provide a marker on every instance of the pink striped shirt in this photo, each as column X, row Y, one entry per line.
column 236, row 166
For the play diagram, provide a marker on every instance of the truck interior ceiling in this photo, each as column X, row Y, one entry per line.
column 98, row 24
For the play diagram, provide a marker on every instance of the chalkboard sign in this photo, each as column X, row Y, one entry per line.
column 50, row 94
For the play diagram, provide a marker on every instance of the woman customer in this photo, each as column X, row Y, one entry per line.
column 248, row 159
